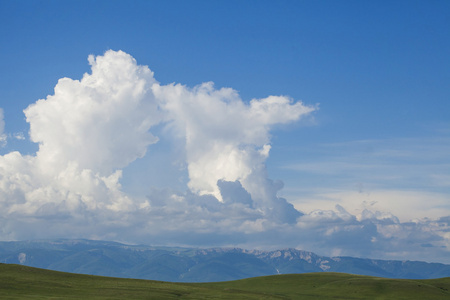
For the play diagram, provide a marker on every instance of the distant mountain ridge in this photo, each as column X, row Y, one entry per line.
column 198, row 265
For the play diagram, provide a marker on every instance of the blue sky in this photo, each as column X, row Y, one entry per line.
column 377, row 144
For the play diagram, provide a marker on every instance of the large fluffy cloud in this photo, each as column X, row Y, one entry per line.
column 85, row 132
column 90, row 129
column 228, row 140
column 100, row 122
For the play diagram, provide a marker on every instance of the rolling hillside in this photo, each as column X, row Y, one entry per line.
column 21, row 282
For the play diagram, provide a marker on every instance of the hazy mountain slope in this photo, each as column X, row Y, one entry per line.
column 197, row 265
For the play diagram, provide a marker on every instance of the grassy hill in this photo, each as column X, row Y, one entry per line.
column 21, row 282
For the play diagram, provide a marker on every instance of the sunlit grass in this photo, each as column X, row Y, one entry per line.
column 21, row 282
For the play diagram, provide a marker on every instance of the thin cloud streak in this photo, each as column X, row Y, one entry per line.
column 3, row 136
column 396, row 163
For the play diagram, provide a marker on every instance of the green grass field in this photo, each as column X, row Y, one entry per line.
column 21, row 282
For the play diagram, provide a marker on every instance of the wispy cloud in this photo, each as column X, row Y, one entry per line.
column 2, row 129
column 407, row 177
column 404, row 204
column 18, row 136
column 414, row 163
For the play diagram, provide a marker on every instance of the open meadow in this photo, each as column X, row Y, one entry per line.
column 21, row 282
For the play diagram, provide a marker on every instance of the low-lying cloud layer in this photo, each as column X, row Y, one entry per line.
column 93, row 128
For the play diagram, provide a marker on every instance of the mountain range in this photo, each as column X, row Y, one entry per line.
column 178, row 264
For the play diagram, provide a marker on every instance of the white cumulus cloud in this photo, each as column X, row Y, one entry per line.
column 227, row 139
column 100, row 122
column 90, row 129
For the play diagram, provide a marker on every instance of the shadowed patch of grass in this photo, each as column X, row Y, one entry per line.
column 20, row 282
